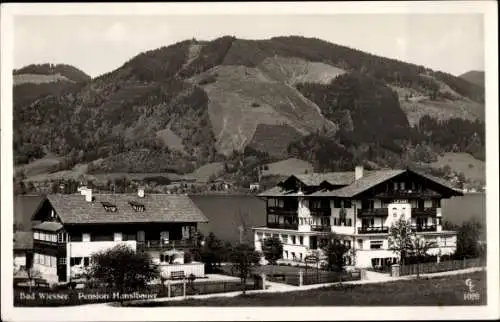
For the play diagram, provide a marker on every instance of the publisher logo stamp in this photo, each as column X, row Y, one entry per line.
column 471, row 294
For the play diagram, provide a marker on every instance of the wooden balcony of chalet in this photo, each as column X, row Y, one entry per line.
column 422, row 228
column 430, row 212
column 321, row 212
column 373, row 230
column 375, row 212
column 165, row 245
column 291, row 226
column 282, row 211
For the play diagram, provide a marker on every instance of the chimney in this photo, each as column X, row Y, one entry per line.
column 88, row 195
column 140, row 192
column 358, row 172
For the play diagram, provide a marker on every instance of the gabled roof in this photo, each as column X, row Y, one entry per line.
column 23, row 240
column 355, row 187
column 366, row 182
column 73, row 209
column 279, row 192
column 333, row 178
column 48, row 226
column 25, row 206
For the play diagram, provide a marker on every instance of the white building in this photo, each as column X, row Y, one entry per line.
column 69, row 229
column 359, row 207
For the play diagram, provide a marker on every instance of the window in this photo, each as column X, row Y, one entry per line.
column 36, row 258
column 301, row 240
column 36, row 235
column 53, row 238
column 315, row 203
column 109, row 207
column 436, row 203
column 62, row 261
column 275, row 202
column 360, row 243
column 347, row 204
column 300, row 256
column 138, row 207
column 86, row 261
column 61, row 237
column 396, row 186
column 75, row 261
column 285, row 239
column 402, row 185
column 376, row 244
column 53, row 261
column 294, row 240
column 349, row 222
column 337, row 203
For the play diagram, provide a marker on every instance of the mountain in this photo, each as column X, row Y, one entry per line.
column 474, row 77
column 248, row 102
column 39, row 80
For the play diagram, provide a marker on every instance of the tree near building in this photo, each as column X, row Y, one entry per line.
column 400, row 238
column 122, row 268
column 272, row 249
column 244, row 258
column 468, row 236
column 419, row 248
column 334, row 251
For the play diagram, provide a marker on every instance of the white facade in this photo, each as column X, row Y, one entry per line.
column 345, row 223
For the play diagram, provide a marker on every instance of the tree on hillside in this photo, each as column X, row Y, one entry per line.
column 400, row 238
column 272, row 249
column 334, row 251
column 419, row 248
column 244, row 258
column 122, row 268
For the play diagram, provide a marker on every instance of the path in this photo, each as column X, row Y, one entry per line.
column 274, row 287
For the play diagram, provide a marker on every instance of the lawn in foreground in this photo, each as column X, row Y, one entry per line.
column 441, row 291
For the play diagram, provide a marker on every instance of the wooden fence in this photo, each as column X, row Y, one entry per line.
column 444, row 266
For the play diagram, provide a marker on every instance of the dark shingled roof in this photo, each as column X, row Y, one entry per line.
column 48, row 226
column 23, row 240
column 355, row 187
column 366, row 182
column 73, row 209
column 25, row 207
column 334, row 178
column 279, row 192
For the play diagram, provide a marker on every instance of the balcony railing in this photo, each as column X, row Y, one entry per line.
column 423, row 211
column 321, row 212
column 373, row 212
column 166, row 245
column 404, row 194
column 283, row 226
column 282, row 211
column 373, row 230
column 419, row 228
column 321, row 228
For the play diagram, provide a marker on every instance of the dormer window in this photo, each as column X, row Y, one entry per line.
column 109, row 207
column 138, row 207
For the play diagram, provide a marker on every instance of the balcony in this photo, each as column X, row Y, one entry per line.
column 321, row 212
column 283, row 226
column 423, row 211
column 373, row 230
column 321, row 228
column 282, row 211
column 165, row 245
column 382, row 212
column 421, row 229
column 407, row 194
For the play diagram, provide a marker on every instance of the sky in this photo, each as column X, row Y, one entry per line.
column 452, row 43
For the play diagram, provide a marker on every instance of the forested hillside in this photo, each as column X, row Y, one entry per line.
column 245, row 103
